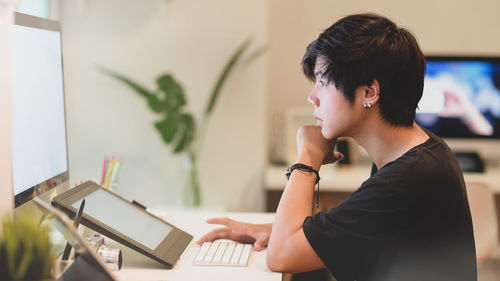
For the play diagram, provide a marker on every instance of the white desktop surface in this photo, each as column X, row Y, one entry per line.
column 137, row 267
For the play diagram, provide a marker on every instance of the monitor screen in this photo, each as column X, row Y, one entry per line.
column 461, row 97
column 123, row 217
column 39, row 148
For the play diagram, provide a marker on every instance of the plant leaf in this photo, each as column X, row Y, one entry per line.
column 187, row 133
column 155, row 104
column 27, row 258
column 25, row 249
column 168, row 127
column 174, row 95
column 10, row 246
column 225, row 73
column 253, row 55
column 134, row 85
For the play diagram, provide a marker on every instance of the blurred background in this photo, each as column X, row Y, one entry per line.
column 193, row 40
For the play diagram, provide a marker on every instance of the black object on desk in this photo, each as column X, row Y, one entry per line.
column 76, row 222
column 139, row 204
column 470, row 162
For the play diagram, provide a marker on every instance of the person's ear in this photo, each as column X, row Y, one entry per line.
column 370, row 94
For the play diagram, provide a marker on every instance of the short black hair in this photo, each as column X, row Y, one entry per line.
column 360, row 48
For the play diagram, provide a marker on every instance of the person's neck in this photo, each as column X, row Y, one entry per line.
column 385, row 143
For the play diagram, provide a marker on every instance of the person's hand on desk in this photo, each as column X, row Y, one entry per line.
column 258, row 234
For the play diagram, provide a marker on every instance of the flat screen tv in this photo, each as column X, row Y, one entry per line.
column 461, row 97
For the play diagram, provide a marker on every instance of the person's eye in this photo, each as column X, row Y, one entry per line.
column 322, row 83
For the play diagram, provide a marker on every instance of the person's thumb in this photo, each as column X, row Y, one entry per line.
column 332, row 158
column 259, row 244
column 337, row 156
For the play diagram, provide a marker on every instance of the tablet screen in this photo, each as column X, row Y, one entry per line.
column 123, row 217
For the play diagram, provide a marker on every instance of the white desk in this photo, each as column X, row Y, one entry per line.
column 140, row 268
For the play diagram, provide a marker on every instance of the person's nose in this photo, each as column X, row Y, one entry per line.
column 312, row 98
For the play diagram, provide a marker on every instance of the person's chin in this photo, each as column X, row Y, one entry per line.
column 329, row 134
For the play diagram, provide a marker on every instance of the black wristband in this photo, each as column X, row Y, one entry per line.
column 305, row 168
column 301, row 167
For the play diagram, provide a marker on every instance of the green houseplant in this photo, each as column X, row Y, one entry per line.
column 176, row 126
column 25, row 250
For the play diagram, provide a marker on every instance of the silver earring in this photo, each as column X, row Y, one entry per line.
column 367, row 105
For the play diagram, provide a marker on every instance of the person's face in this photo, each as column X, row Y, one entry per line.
column 332, row 110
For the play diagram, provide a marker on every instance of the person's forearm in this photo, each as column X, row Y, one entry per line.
column 295, row 204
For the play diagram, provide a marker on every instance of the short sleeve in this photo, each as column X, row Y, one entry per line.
column 341, row 251
column 350, row 238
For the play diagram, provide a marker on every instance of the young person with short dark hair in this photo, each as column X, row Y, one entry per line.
column 410, row 220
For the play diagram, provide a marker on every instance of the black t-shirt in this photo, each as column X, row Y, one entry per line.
column 409, row 221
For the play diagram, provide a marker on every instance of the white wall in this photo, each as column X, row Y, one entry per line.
column 441, row 27
column 193, row 39
column 6, row 20
column 142, row 39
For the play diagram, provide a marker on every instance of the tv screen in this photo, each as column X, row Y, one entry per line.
column 461, row 97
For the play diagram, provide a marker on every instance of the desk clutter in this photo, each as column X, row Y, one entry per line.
column 112, row 257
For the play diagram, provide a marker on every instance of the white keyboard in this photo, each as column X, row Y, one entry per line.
column 223, row 254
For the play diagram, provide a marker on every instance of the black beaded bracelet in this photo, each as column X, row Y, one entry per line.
column 305, row 168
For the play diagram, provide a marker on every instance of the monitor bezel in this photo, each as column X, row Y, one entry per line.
column 45, row 24
column 494, row 59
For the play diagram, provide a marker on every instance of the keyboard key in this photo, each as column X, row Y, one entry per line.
column 236, row 254
column 228, row 253
column 223, row 254
column 211, row 252
column 201, row 253
column 219, row 253
column 245, row 255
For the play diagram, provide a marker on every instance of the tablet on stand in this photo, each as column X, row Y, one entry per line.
column 124, row 222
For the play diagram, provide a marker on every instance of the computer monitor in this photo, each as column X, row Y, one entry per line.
column 39, row 142
column 461, row 97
